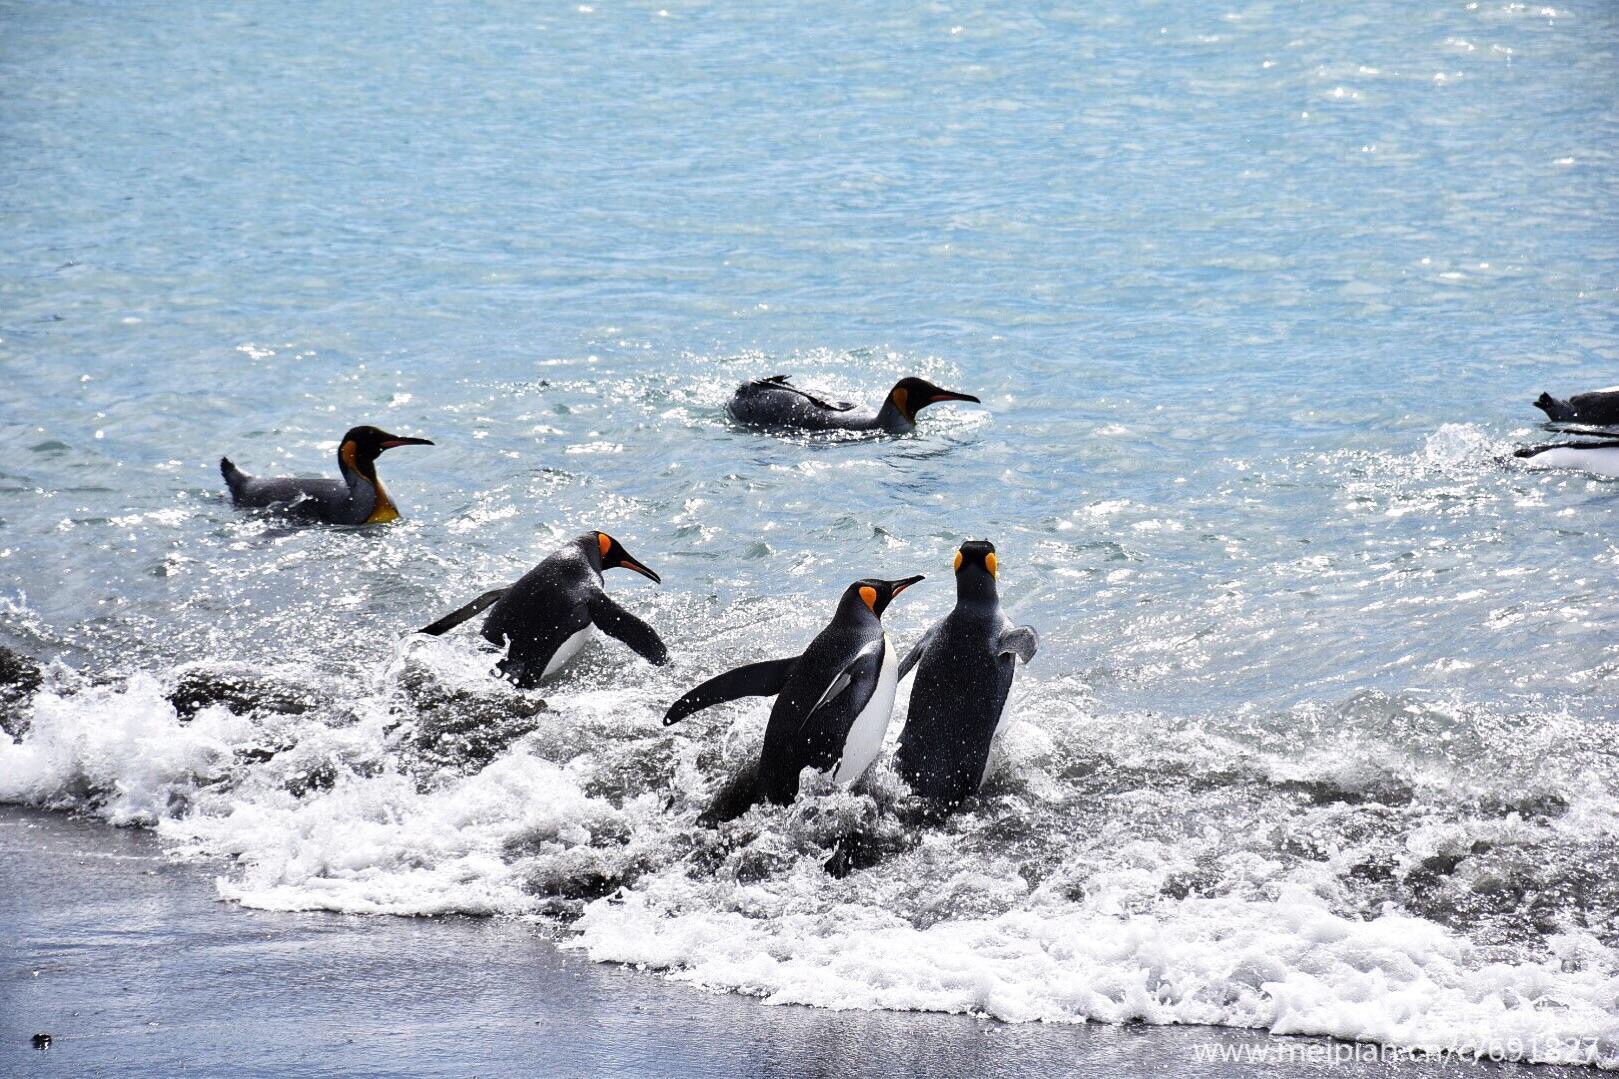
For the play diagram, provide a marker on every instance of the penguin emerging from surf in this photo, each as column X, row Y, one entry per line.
column 964, row 669
column 832, row 705
column 1599, row 408
column 357, row 499
column 547, row 617
column 1601, row 458
column 775, row 404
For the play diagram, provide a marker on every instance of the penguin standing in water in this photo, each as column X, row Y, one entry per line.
column 548, row 615
column 357, row 499
column 1599, row 408
column 965, row 665
column 832, row 703
column 775, row 404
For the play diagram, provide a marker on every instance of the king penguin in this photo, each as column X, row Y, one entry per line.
column 357, row 499
column 1601, row 458
column 833, row 702
column 1599, row 408
column 775, row 404
column 549, row 614
column 964, row 665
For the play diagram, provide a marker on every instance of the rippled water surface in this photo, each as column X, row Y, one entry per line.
column 1320, row 737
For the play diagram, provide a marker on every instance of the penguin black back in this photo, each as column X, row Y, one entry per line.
column 965, row 666
column 1599, row 408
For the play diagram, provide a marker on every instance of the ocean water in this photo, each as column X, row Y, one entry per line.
column 1321, row 736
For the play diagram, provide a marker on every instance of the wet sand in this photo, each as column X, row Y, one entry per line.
column 133, row 966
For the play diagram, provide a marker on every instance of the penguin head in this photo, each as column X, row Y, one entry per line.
column 976, row 569
column 874, row 595
column 610, row 554
column 361, row 447
column 912, row 395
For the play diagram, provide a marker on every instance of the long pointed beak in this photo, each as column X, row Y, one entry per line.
column 952, row 395
column 896, row 587
column 390, row 443
column 629, row 563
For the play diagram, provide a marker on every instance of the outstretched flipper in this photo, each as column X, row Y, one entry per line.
column 764, row 679
column 1020, row 641
column 620, row 624
column 456, row 617
column 914, row 656
column 1535, row 451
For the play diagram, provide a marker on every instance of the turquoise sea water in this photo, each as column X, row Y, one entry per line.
column 1255, row 295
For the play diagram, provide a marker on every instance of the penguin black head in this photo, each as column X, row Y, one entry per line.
column 613, row 556
column 875, row 595
column 912, row 395
column 361, row 447
column 976, row 569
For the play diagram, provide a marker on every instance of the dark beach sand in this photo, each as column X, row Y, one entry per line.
column 134, row 967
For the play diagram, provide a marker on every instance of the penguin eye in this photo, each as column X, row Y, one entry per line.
column 958, row 561
column 869, row 594
column 606, row 542
column 990, row 563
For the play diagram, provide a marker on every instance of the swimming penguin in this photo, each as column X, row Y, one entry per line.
column 776, row 404
column 1599, row 408
column 357, row 499
column 832, row 703
column 1601, row 458
column 958, row 702
column 548, row 615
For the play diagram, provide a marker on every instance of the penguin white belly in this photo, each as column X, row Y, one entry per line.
column 865, row 739
column 1603, row 462
column 568, row 649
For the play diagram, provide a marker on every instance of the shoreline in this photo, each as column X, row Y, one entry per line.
column 133, row 965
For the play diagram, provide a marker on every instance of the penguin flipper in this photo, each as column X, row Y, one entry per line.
column 764, row 679
column 781, row 382
column 860, row 672
column 1020, row 641
column 621, row 625
column 456, row 617
column 914, row 656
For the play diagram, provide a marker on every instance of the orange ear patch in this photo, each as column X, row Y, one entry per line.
column 346, row 452
column 901, row 399
column 869, row 594
column 606, row 542
column 991, row 564
column 958, row 561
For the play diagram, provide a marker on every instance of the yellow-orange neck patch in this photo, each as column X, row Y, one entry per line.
column 386, row 510
column 869, row 594
column 958, row 561
column 902, row 398
column 991, row 564
column 606, row 542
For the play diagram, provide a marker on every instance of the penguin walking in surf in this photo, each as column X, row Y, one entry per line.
column 552, row 611
column 775, row 404
column 1601, row 458
column 1599, row 408
column 357, row 499
column 964, row 668
column 833, row 702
